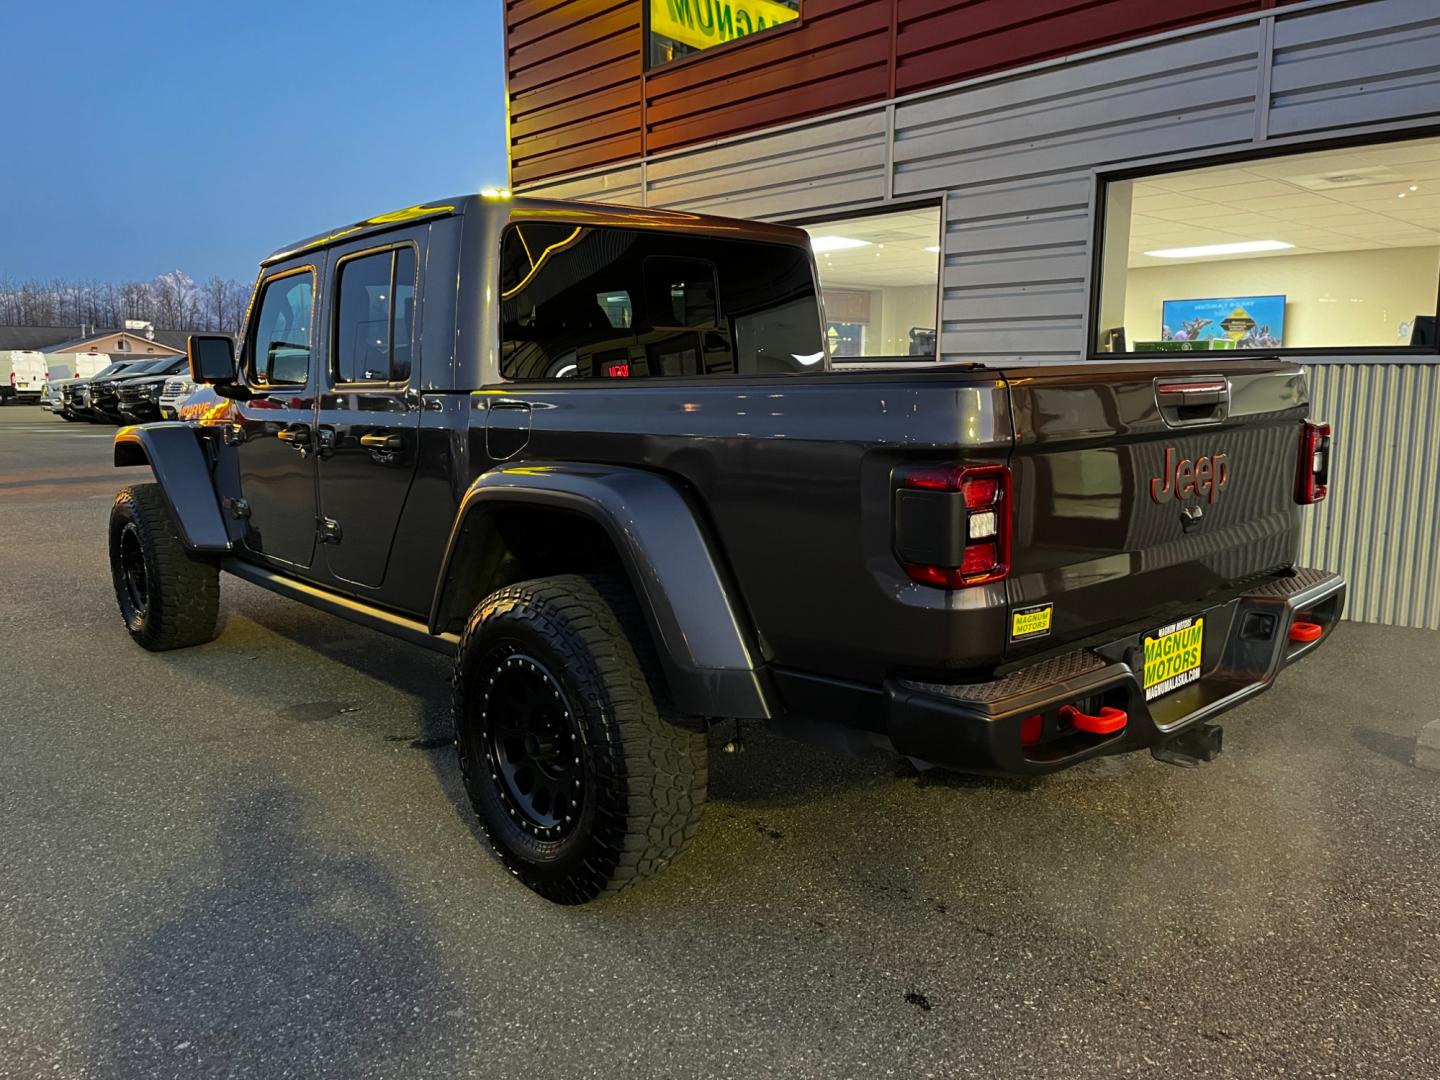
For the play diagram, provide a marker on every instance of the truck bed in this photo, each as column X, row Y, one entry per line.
column 797, row 479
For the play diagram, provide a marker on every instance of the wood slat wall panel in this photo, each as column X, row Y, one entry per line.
column 942, row 41
column 574, row 74
column 838, row 55
column 560, row 19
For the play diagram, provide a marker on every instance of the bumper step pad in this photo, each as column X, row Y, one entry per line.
column 976, row 726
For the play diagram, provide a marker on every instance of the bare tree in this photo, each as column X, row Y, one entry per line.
column 171, row 302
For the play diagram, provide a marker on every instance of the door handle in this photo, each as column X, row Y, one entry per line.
column 510, row 403
column 298, row 436
column 382, row 442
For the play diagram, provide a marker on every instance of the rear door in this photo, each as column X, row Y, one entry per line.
column 29, row 371
column 369, row 414
column 1139, row 486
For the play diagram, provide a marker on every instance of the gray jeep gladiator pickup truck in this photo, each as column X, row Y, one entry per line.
column 598, row 455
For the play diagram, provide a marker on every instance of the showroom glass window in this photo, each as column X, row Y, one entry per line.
column 880, row 277
column 683, row 27
column 609, row 303
column 1335, row 249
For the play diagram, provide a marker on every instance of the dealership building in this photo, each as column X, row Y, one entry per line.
column 1058, row 181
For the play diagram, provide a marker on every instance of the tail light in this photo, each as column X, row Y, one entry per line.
column 1312, row 471
column 12, row 378
column 952, row 525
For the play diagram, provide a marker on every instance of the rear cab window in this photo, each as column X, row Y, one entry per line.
column 374, row 316
column 611, row 303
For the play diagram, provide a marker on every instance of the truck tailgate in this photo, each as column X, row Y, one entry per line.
column 1140, row 485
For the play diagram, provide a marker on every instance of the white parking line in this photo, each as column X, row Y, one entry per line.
column 62, row 431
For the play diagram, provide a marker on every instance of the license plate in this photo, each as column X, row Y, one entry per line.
column 1172, row 656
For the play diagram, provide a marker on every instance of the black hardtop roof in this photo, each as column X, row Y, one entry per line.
column 521, row 208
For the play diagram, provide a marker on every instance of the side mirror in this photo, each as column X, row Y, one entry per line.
column 212, row 358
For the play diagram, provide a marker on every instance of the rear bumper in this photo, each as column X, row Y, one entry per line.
column 975, row 727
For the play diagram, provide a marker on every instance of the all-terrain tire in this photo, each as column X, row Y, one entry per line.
column 168, row 598
column 566, row 663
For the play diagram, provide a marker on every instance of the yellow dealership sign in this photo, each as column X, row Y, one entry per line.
column 703, row 23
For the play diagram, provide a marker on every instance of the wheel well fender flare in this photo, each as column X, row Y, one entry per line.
column 175, row 456
column 682, row 588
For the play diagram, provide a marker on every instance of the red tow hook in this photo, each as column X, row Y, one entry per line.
column 1305, row 631
column 1108, row 722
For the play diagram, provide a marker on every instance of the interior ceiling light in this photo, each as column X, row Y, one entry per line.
column 1243, row 247
column 823, row 244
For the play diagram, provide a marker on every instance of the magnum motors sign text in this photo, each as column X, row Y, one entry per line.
column 703, row 23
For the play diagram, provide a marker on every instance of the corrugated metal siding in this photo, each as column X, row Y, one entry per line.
column 1355, row 65
column 622, row 186
column 818, row 165
column 1015, row 155
column 1380, row 527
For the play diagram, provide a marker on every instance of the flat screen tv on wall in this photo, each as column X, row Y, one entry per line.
column 1250, row 322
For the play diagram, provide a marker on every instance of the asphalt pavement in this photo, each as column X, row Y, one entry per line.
column 255, row 859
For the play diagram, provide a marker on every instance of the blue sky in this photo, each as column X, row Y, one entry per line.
column 144, row 137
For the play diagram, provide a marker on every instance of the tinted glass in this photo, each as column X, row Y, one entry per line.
column 702, row 306
column 362, row 331
column 402, row 314
column 375, row 308
column 281, row 353
column 681, row 292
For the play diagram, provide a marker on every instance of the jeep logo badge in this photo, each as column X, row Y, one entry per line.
column 1206, row 477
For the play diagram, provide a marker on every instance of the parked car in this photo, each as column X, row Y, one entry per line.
column 598, row 457
column 52, row 398
column 138, row 400
column 105, row 393
column 26, row 377
column 177, row 389
column 56, row 397
column 77, row 396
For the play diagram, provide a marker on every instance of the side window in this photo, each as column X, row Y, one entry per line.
column 374, row 317
column 280, row 355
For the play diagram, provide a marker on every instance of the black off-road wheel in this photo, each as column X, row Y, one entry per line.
column 583, row 777
column 168, row 598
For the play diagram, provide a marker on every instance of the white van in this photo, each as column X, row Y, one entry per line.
column 71, row 365
column 26, row 377
column 68, row 368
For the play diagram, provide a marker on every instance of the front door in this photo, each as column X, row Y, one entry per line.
column 369, row 420
column 274, row 431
